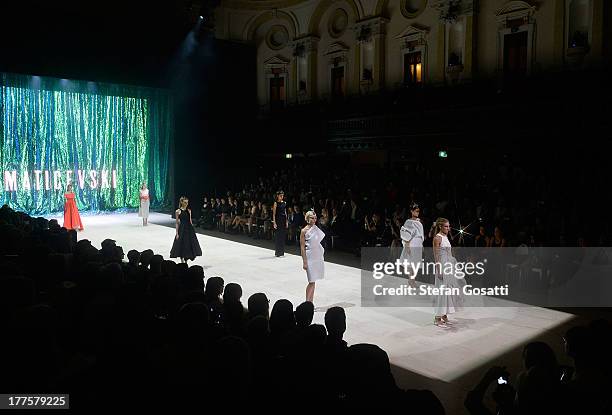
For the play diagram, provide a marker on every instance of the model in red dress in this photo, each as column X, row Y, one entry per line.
column 72, row 219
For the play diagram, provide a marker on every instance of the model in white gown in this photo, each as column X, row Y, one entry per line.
column 314, row 253
column 447, row 304
column 143, row 211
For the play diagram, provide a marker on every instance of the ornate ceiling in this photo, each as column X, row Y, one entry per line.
column 259, row 4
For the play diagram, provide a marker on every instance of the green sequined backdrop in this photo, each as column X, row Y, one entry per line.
column 58, row 125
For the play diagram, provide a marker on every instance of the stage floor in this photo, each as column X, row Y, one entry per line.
column 448, row 361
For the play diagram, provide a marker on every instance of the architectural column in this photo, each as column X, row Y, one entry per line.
column 293, row 86
column 456, row 22
column 357, row 69
column 470, row 40
column 305, row 68
column 596, row 53
column 379, row 52
column 439, row 75
column 370, row 54
column 559, row 34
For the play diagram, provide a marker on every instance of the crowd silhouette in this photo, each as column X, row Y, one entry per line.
column 144, row 331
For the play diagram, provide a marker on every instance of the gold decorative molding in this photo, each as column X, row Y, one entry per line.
column 370, row 27
column 412, row 13
column 317, row 15
column 333, row 31
column 256, row 22
column 259, row 4
column 413, row 33
column 270, row 37
column 515, row 10
column 278, row 62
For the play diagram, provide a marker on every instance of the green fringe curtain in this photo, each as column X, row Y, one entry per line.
column 104, row 139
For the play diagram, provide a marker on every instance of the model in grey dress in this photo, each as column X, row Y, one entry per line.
column 312, row 253
column 143, row 212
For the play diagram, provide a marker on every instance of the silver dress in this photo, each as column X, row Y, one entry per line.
column 446, row 303
column 314, row 253
column 143, row 212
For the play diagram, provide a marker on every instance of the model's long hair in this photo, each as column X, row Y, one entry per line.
column 437, row 226
column 183, row 202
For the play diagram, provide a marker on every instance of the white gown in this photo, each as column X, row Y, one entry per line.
column 314, row 253
column 447, row 304
column 143, row 211
column 412, row 239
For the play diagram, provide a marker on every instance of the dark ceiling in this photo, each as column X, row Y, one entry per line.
column 130, row 41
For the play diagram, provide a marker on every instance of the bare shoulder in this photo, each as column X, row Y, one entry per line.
column 178, row 212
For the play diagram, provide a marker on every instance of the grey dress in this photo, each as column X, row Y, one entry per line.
column 443, row 303
column 412, row 235
column 143, row 212
column 314, row 253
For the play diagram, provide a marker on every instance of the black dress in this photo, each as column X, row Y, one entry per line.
column 187, row 245
column 280, row 234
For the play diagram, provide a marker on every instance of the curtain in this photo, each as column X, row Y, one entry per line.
column 106, row 140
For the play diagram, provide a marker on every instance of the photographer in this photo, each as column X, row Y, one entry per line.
column 503, row 395
column 206, row 220
column 374, row 230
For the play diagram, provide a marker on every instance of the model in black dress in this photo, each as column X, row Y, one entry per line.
column 279, row 220
column 186, row 245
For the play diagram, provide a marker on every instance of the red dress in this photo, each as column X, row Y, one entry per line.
column 72, row 219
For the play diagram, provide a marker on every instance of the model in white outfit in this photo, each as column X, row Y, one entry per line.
column 445, row 304
column 143, row 212
column 412, row 235
column 312, row 253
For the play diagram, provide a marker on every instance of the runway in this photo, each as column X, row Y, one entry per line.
column 448, row 361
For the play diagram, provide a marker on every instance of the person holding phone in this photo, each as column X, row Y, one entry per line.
column 503, row 395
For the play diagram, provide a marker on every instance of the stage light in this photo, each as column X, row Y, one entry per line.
column 442, row 154
column 288, row 156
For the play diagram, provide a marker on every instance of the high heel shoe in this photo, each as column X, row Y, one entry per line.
column 439, row 322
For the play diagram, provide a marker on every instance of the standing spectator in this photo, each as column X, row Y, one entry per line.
column 280, row 223
column 481, row 240
column 497, row 241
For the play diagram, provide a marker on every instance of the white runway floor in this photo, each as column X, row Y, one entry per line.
column 448, row 361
